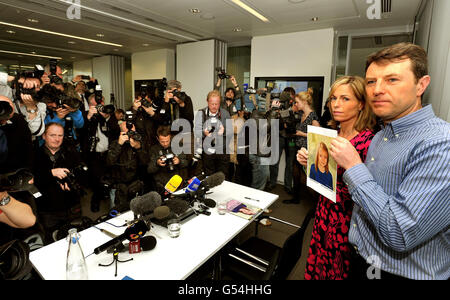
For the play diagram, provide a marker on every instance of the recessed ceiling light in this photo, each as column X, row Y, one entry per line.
column 237, row 29
column 195, row 10
column 296, row 1
column 10, row 31
column 33, row 20
column 315, row 19
column 33, row 52
column 71, row 42
column 72, row 57
column 145, row 45
column 100, row 35
column 116, row 50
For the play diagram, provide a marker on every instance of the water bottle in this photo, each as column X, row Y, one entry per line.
column 76, row 268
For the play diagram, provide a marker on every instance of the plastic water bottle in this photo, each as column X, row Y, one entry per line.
column 76, row 268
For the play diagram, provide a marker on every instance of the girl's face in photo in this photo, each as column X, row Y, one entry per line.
column 323, row 158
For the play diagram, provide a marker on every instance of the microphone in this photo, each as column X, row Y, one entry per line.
column 161, row 212
column 146, row 243
column 214, row 180
column 145, row 204
column 173, row 184
column 135, row 230
column 193, row 185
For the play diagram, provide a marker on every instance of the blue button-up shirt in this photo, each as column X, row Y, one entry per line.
column 402, row 192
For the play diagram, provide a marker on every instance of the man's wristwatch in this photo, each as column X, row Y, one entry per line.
column 5, row 200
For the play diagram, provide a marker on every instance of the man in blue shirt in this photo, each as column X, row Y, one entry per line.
column 401, row 220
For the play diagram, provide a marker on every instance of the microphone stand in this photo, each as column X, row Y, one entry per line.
column 115, row 258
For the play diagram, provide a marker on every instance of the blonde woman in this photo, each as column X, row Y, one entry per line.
column 329, row 252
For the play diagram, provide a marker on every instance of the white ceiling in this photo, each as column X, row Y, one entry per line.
column 165, row 23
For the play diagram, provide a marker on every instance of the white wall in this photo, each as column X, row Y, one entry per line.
column 154, row 64
column 195, row 70
column 307, row 53
column 439, row 59
column 83, row 67
column 101, row 70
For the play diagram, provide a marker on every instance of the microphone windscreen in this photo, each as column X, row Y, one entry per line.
column 178, row 206
column 145, row 203
column 148, row 243
column 173, row 183
column 214, row 180
column 161, row 212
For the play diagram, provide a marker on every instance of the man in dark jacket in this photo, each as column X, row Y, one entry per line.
column 126, row 159
column 163, row 163
column 60, row 202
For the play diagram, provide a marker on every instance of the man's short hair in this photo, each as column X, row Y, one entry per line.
column 214, row 93
column 171, row 84
column 48, row 125
column 163, row 131
column 401, row 51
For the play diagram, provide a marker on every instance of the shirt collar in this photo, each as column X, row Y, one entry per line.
column 412, row 120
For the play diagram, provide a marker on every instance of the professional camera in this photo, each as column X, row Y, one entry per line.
column 73, row 179
column 62, row 99
column 129, row 119
column 167, row 158
column 180, row 95
column 5, row 110
column 14, row 260
column 196, row 157
column 53, row 77
column 222, row 74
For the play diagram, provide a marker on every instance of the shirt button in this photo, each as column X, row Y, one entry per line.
column 385, row 139
column 354, row 225
column 372, row 158
column 396, row 135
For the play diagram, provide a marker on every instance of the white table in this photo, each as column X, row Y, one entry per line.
column 173, row 258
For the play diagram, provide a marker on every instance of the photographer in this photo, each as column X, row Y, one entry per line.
column 55, row 162
column 210, row 126
column 103, row 129
column 231, row 94
column 177, row 104
column 280, row 105
column 126, row 159
column 25, row 100
column 146, row 118
column 163, row 163
column 62, row 109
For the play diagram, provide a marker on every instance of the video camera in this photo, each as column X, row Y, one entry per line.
column 129, row 119
column 167, row 158
column 222, row 74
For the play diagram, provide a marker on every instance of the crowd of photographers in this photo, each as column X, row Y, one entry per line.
column 61, row 138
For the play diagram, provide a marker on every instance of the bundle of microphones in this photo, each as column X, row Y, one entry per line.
column 150, row 208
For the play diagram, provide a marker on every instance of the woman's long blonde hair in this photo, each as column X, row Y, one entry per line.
column 366, row 118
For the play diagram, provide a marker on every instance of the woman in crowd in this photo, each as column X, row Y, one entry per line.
column 304, row 103
column 329, row 252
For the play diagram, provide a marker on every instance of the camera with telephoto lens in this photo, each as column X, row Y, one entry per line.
column 106, row 109
column 37, row 73
column 144, row 92
column 73, row 179
column 72, row 102
column 129, row 119
column 222, row 74
column 196, row 157
column 167, row 158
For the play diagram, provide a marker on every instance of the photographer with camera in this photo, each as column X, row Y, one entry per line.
column 55, row 176
column 127, row 160
column 210, row 126
column 25, row 97
column 163, row 163
column 282, row 108
column 231, row 93
column 103, row 129
column 177, row 104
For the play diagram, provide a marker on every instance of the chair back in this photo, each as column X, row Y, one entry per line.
column 292, row 249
